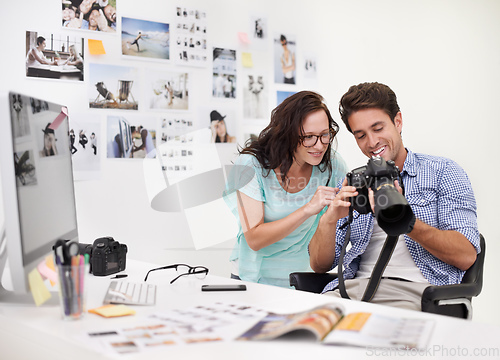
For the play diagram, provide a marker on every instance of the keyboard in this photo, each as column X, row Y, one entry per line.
column 129, row 293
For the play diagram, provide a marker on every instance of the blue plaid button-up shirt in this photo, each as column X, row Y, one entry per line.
column 440, row 194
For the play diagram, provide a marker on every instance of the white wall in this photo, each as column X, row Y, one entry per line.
column 442, row 58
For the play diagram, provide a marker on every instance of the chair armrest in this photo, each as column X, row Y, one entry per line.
column 434, row 293
column 311, row 281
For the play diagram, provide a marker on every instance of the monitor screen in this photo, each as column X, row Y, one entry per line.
column 37, row 181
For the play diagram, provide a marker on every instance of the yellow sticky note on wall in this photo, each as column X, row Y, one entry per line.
column 96, row 47
column 246, row 58
column 38, row 289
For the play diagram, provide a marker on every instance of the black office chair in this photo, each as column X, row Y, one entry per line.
column 452, row 300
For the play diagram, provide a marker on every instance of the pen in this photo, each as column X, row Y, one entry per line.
column 75, row 277
column 119, row 276
column 62, row 284
column 82, row 279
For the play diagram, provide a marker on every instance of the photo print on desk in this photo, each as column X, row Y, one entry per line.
column 131, row 137
column 224, row 73
column 285, row 59
column 113, row 87
column 145, row 39
column 190, row 37
column 54, row 56
column 90, row 15
column 167, row 90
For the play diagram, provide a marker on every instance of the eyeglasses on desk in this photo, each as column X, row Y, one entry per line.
column 199, row 272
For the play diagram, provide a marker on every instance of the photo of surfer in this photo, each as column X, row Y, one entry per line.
column 145, row 39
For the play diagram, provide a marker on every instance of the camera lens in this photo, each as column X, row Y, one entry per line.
column 393, row 213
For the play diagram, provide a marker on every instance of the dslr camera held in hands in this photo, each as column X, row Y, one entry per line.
column 392, row 211
column 107, row 256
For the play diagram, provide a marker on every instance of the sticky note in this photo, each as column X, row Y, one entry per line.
column 96, row 47
column 47, row 272
column 59, row 118
column 246, row 58
column 38, row 289
column 243, row 37
column 113, row 310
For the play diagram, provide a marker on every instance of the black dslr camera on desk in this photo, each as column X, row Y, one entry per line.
column 107, row 256
column 392, row 211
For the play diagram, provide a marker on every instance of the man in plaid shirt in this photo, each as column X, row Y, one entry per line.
column 443, row 242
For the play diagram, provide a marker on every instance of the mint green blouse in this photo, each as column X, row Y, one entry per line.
column 273, row 264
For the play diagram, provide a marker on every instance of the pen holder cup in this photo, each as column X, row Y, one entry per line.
column 72, row 293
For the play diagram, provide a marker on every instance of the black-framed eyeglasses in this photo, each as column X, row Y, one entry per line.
column 311, row 140
column 182, row 269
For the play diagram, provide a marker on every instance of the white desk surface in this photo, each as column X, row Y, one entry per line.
column 28, row 332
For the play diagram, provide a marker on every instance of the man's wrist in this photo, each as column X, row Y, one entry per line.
column 411, row 224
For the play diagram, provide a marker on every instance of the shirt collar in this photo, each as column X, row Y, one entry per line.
column 410, row 164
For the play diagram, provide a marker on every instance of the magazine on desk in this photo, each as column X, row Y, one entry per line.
column 331, row 326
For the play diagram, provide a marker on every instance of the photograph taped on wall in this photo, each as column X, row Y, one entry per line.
column 258, row 32
column 85, row 146
column 309, row 65
column 224, row 73
column 252, row 132
column 255, row 95
column 258, row 27
column 112, row 87
column 131, row 137
column 190, row 34
column 221, row 123
column 284, row 59
column 145, row 39
column 177, row 128
column 54, row 56
column 91, row 15
column 282, row 95
column 167, row 90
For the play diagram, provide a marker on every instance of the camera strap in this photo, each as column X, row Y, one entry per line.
column 378, row 270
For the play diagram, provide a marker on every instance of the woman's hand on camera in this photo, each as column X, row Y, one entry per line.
column 339, row 207
column 323, row 196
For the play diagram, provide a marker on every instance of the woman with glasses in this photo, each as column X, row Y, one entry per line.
column 279, row 186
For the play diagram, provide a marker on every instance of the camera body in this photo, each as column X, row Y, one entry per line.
column 392, row 211
column 374, row 175
column 107, row 256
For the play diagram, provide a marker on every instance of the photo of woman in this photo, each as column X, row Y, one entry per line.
column 284, row 63
column 219, row 129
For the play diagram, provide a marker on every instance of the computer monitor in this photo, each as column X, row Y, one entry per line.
column 38, row 190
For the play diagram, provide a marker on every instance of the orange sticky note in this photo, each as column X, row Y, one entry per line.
column 112, row 310
column 96, row 47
